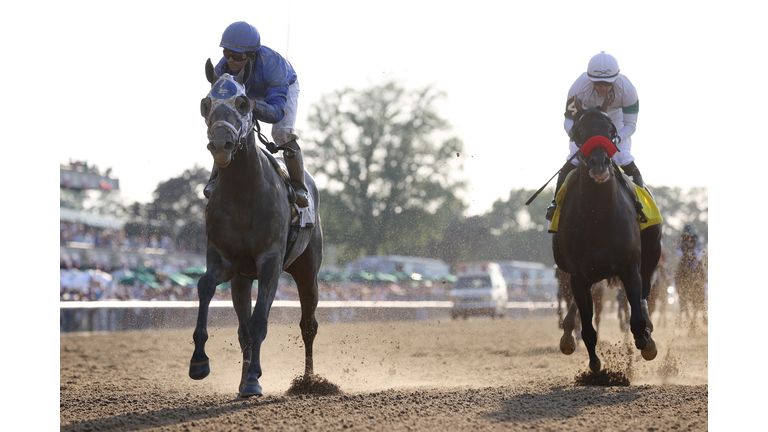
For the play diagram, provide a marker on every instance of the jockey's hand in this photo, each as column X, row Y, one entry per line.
column 272, row 147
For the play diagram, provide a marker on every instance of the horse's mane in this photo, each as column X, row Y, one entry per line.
column 596, row 113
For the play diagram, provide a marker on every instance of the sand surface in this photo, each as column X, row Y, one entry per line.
column 478, row 374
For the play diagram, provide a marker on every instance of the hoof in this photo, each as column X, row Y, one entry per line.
column 595, row 365
column 642, row 344
column 199, row 370
column 650, row 351
column 250, row 389
column 567, row 344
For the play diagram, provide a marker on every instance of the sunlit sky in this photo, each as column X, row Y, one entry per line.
column 129, row 93
column 119, row 84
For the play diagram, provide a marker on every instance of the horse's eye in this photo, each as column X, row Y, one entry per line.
column 205, row 106
column 243, row 105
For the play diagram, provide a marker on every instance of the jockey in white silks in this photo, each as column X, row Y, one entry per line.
column 603, row 86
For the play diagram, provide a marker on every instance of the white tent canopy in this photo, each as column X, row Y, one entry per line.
column 70, row 215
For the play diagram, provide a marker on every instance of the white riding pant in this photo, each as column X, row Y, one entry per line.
column 285, row 130
column 622, row 157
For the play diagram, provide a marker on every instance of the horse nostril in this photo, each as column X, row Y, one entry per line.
column 210, row 146
column 607, row 161
column 229, row 146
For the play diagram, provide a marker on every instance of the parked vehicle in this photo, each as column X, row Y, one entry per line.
column 479, row 290
column 529, row 281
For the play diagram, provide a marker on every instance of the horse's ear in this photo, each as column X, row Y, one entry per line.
column 210, row 72
column 245, row 72
column 579, row 109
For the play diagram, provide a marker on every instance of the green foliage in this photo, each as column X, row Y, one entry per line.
column 390, row 167
column 680, row 207
column 181, row 198
column 178, row 210
column 510, row 231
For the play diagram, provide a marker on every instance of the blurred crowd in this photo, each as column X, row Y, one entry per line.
column 172, row 284
column 108, row 238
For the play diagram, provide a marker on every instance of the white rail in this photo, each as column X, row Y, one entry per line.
column 288, row 304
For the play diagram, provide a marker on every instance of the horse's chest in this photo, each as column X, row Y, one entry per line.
column 238, row 234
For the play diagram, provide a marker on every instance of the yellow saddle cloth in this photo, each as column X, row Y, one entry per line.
column 650, row 209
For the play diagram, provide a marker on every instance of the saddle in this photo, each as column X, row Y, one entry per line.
column 648, row 213
column 303, row 217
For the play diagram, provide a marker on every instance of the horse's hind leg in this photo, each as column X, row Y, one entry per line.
column 304, row 271
column 241, row 300
column 567, row 341
column 307, row 285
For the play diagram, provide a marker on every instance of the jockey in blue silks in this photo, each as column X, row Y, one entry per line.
column 273, row 88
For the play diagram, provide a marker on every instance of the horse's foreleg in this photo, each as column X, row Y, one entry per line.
column 582, row 295
column 241, row 300
column 597, row 300
column 639, row 320
column 199, row 366
column 269, row 273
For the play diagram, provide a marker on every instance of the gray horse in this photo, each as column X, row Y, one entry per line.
column 250, row 232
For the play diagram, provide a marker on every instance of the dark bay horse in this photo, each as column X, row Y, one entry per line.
column 690, row 278
column 248, row 221
column 599, row 237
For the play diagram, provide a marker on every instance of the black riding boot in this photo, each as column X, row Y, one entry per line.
column 631, row 170
column 568, row 167
column 294, row 162
column 211, row 181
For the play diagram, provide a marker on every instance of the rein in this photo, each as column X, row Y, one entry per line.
column 272, row 147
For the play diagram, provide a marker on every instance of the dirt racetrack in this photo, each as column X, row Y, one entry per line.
column 477, row 374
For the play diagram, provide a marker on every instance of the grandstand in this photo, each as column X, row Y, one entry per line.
column 94, row 237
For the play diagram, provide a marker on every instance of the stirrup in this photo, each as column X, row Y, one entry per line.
column 550, row 212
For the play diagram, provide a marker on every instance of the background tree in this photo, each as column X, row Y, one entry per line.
column 680, row 207
column 390, row 166
column 177, row 211
column 181, row 198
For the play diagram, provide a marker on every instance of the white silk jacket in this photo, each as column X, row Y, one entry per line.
column 622, row 111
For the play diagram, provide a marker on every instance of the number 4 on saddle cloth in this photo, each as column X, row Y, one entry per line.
column 650, row 210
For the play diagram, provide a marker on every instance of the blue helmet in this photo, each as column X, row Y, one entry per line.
column 241, row 37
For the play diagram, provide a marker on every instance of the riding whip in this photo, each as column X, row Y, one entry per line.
column 530, row 200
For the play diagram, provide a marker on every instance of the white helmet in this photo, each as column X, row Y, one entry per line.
column 603, row 67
